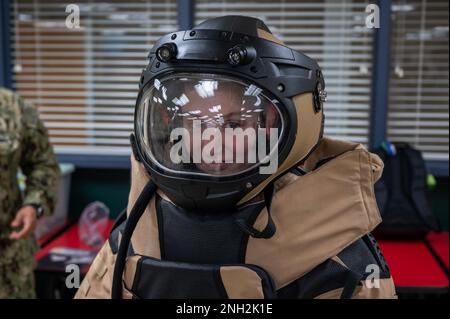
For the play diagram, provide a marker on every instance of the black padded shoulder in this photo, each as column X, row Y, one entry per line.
column 363, row 253
column 117, row 230
column 331, row 274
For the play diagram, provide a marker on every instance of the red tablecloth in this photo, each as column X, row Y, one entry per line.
column 438, row 242
column 44, row 240
column 412, row 265
column 68, row 239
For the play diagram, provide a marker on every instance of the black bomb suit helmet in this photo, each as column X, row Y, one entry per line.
column 226, row 72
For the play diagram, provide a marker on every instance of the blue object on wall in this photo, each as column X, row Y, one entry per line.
column 186, row 14
column 96, row 161
column 437, row 168
column 380, row 76
column 5, row 51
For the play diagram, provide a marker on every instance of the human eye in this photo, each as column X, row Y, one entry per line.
column 232, row 124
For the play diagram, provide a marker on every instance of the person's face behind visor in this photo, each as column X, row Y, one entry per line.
column 221, row 118
column 228, row 114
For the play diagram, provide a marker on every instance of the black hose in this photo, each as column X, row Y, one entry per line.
column 132, row 220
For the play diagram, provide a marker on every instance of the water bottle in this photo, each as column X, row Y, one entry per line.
column 93, row 224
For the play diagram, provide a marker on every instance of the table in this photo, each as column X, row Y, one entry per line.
column 414, row 268
column 438, row 243
column 51, row 276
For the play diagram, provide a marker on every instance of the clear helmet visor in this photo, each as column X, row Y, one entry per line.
column 207, row 124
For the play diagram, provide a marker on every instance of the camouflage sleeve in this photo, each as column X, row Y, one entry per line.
column 38, row 162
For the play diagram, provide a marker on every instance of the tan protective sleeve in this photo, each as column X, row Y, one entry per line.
column 241, row 283
column 98, row 281
column 317, row 216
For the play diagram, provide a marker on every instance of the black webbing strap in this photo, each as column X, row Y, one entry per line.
column 352, row 281
column 270, row 228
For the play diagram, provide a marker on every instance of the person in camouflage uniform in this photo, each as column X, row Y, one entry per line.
column 24, row 144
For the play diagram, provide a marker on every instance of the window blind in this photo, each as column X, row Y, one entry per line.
column 419, row 80
column 84, row 81
column 332, row 32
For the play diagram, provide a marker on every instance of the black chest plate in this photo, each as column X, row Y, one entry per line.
column 202, row 238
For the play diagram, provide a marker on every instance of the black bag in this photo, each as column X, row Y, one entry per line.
column 402, row 194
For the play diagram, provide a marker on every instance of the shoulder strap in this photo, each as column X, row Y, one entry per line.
column 270, row 228
column 119, row 220
column 417, row 187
